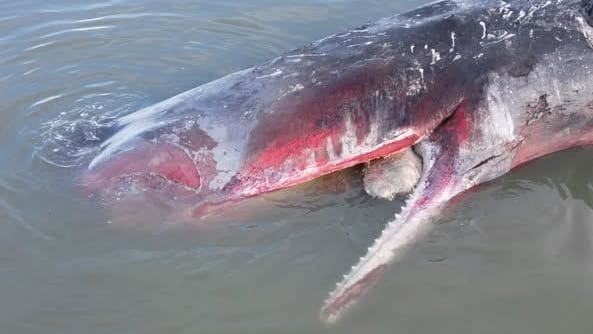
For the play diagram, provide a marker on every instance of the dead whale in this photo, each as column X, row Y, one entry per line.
column 475, row 89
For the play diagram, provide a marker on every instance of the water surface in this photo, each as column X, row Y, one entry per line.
column 515, row 256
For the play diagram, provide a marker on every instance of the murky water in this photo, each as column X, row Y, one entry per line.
column 516, row 256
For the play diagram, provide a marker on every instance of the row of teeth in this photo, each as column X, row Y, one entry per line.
column 428, row 152
column 333, row 317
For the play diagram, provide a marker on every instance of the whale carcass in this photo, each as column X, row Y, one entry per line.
column 473, row 88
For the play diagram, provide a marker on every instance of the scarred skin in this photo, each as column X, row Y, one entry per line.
column 478, row 88
column 335, row 103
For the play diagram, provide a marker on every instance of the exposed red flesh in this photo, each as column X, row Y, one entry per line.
column 164, row 160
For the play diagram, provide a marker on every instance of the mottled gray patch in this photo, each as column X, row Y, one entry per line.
column 523, row 66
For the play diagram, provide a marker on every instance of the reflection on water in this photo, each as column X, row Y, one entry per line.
column 512, row 257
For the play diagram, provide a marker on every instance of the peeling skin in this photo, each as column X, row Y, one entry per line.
column 452, row 42
column 483, row 29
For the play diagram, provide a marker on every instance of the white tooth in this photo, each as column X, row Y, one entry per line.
column 397, row 236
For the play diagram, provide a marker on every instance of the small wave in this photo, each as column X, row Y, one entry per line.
column 46, row 100
column 67, row 143
column 74, row 136
column 80, row 8
column 67, row 31
column 40, row 45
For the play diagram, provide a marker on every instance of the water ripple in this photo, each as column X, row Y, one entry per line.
column 126, row 17
column 80, row 8
column 71, row 30
column 75, row 135
column 46, row 100
column 40, row 45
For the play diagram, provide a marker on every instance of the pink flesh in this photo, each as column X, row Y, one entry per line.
column 164, row 160
column 251, row 184
column 259, row 166
column 540, row 141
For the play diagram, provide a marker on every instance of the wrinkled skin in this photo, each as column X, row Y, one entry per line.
column 393, row 175
column 477, row 88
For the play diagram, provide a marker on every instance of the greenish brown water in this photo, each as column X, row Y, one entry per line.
column 515, row 256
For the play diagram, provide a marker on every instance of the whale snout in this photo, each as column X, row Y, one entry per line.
column 143, row 166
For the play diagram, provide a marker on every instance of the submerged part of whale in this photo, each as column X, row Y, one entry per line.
column 476, row 88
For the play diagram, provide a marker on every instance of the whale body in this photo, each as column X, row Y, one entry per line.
column 474, row 88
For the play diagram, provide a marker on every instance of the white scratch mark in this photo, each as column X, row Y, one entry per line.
column 295, row 88
column 360, row 44
column 274, row 74
column 586, row 30
column 291, row 75
column 307, row 55
column 507, row 15
column 483, row 29
column 452, row 42
column 324, row 39
column 435, row 56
